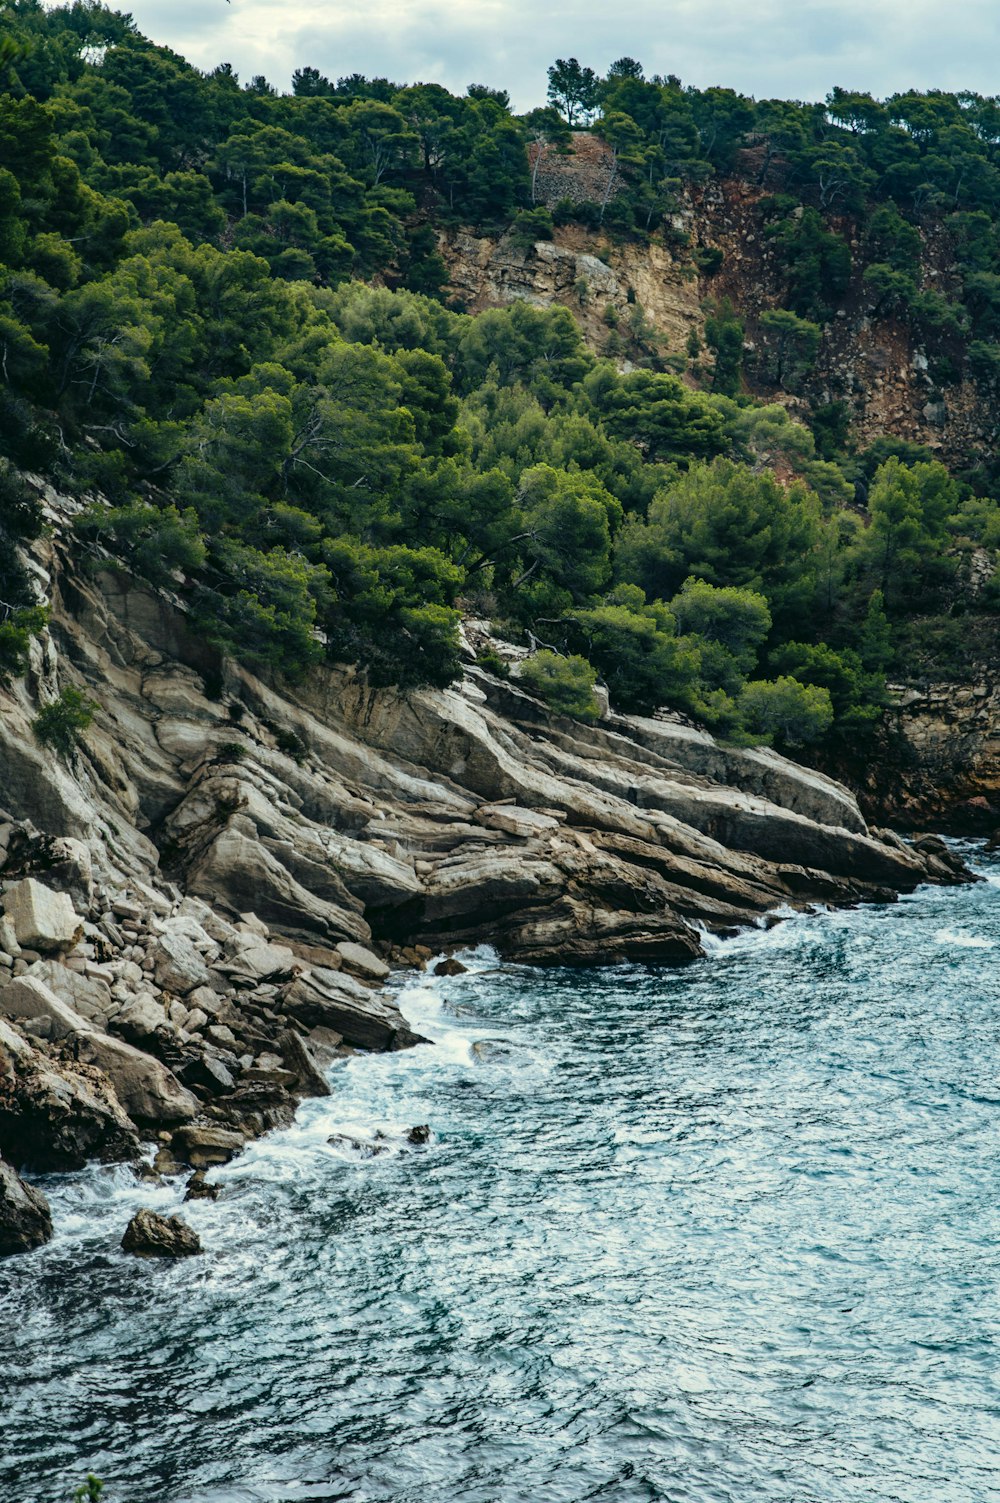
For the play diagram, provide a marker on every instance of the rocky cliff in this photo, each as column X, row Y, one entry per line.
column 200, row 907
column 875, row 364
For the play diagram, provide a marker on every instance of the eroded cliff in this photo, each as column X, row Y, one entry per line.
column 227, row 865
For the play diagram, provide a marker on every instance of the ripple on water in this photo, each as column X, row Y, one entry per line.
column 721, row 1235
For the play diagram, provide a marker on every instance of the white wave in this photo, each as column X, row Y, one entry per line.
column 962, row 941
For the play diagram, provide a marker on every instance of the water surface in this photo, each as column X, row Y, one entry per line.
column 729, row 1234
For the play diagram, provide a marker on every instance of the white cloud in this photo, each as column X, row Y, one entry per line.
column 773, row 47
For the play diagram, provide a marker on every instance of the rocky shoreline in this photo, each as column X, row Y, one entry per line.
column 202, row 907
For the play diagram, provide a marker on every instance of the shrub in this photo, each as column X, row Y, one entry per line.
column 60, row 724
column 493, row 663
column 15, row 634
column 785, row 711
column 566, row 684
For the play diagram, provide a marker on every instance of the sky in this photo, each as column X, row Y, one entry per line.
column 767, row 48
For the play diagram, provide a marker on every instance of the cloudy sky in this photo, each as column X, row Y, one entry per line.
column 787, row 48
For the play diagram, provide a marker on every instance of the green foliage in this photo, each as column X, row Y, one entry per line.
column 90, row 1491
column 728, row 525
column 16, row 631
column 638, row 652
column 857, row 695
column 785, row 712
column 903, row 549
column 790, row 347
column 61, row 723
column 566, row 684
column 724, row 334
column 221, row 322
column 816, row 263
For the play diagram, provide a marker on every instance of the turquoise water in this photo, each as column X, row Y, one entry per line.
column 722, row 1235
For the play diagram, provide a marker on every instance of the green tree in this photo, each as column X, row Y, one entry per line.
column 785, row 712
column 566, row 684
column 573, row 90
column 790, row 348
column 61, row 723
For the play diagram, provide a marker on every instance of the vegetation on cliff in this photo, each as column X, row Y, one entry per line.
column 223, row 319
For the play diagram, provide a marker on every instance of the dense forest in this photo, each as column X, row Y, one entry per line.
column 225, row 325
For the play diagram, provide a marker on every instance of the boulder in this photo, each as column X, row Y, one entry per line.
column 55, row 1117
column 249, row 955
column 28, row 998
column 151, row 1236
column 177, row 965
column 208, row 1075
column 90, row 996
column 42, row 920
column 141, row 1019
column 361, row 1146
column 150, row 1092
column 450, row 967
column 298, row 1059
column 329, row 999
column 421, row 1134
column 362, row 961
column 198, row 1187
column 202, row 1146
column 25, row 1218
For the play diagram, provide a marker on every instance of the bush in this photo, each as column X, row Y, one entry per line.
column 15, row 634
column 785, row 711
column 60, row 724
column 566, row 684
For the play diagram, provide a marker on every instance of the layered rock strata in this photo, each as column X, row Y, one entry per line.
column 199, row 910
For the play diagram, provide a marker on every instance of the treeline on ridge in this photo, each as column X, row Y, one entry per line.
column 221, row 318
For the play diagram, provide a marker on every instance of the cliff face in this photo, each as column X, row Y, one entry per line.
column 875, row 365
column 936, row 761
column 338, row 813
column 193, row 905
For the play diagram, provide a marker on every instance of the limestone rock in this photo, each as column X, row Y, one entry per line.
column 177, row 965
column 363, row 1019
column 89, row 996
column 202, row 1146
column 55, row 1117
column 148, row 1090
column 141, row 1019
column 25, row 1218
column 198, row 1187
column 362, row 961
column 298, row 1059
column 42, row 919
column 149, row 1235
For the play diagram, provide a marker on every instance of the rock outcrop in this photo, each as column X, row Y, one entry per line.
column 200, row 913
column 25, row 1218
column 149, row 1235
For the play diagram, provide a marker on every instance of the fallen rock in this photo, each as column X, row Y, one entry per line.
column 141, row 1019
column 420, row 1134
column 27, row 998
column 149, row 1235
column 198, row 1187
column 361, row 1146
column 57, row 1116
column 146, row 1088
column 329, row 999
column 450, row 967
column 362, row 961
column 298, row 1058
column 42, row 920
column 178, row 966
column 202, row 1146
column 208, row 1075
column 90, row 996
column 25, row 1218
